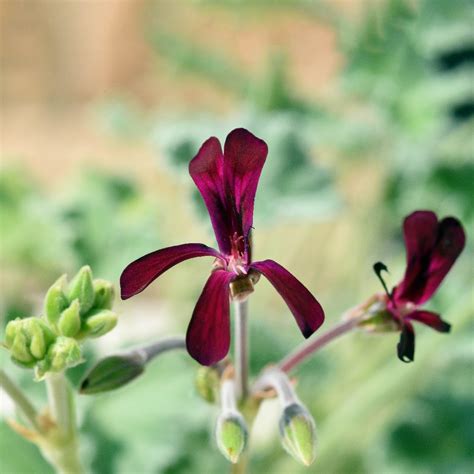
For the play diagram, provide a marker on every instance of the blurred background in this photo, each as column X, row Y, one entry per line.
column 368, row 111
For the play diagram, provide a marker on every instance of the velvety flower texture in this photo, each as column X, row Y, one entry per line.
column 432, row 247
column 227, row 182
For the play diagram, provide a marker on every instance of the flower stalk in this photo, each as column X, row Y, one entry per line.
column 307, row 349
column 21, row 401
column 241, row 348
column 61, row 446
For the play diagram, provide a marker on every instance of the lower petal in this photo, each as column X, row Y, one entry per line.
column 208, row 335
column 406, row 345
column 305, row 308
column 432, row 320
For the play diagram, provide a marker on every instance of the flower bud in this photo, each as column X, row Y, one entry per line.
column 28, row 340
column 99, row 324
column 207, row 383
column 55, row 301
column 62, row 354
column 231, row 435
column 69, row 323
column 81, row 288
column 104, row 294
column 113, row 372
column 298, row 433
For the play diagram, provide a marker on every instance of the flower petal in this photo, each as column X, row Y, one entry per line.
column 432, row 320
column 406, row 345
column 140, row 273
column 208, row 335
column 244, row 157
column 305, row 308
column 207, row 171
column 432, row 249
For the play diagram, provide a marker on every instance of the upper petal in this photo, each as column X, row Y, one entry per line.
column 305, row 308
column 140, row 273
column 432, row 249
column 207, row 171
column 244, row 157
column 208, row 335
column 432, row 320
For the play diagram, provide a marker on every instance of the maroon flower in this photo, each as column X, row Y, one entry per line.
column 432, row 248
column 228, row 183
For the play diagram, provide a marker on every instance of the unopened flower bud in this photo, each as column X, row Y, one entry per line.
column 81, row 288
column 28, row 340
column 207, row 383
column 99, row 323
column 69, row 322
column 55, row 301
column 298, row 433
column 231, row 435
column 104, row 294
column 62, row 354
column 113, row 372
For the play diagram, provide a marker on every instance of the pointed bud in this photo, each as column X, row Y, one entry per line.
column 62, row 354
column 55, row 300
column 298, row 433
column 28, row 340
column 99, row 324
column 69, row 323
column 81, row 288
column 104, row 294
column 207, row 383
column 113, row 372
column 231, row 435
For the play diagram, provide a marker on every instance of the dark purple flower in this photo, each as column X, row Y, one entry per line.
column 432, row 247
column 227, row 182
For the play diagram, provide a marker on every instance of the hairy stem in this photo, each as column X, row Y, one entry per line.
column 20, row 400
column 164, row 345
column 62, row 450
column 307, row 349
column 277, row 379
column 241, row 348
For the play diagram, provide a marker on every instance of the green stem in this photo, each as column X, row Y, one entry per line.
column 20, row 400
column 241, row 466
column 62, row 449
column 241, row 348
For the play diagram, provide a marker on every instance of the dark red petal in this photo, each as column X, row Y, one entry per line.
column 305, row 308
column 244, row 157
column 432, row 320
column 406, row 345
column 431, row 252
column 208, row 335
column 140, row 273
column 207, row 171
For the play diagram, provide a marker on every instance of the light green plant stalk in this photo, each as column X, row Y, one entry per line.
column 61, row 446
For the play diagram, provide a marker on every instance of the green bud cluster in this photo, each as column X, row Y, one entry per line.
column 71, row 313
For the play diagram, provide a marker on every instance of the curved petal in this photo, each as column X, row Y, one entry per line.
column 432, row 249
column 432, row 320
column 305, row 308
column 207, row 171
column 406, row 345
column 244, row 157
column 208, row 335
column 140, row 273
